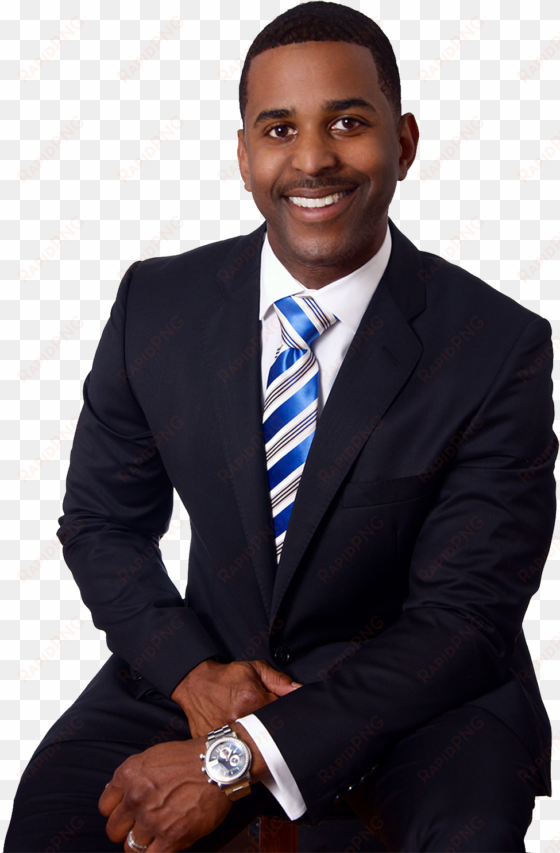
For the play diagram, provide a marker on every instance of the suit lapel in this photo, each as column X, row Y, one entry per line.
column 233, row 355
column 380, row 359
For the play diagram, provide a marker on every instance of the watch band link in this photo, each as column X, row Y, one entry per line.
column 221, row 732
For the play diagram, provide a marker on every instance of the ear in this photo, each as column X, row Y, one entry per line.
column 408, row 142
column 243, row 160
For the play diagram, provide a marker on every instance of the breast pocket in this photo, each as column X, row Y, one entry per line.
column 380, row 492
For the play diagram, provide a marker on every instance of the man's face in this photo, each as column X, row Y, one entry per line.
column 317, row 124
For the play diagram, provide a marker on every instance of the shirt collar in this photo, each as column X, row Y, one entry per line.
column 347, row 297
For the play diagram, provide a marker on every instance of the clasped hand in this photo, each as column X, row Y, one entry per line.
column 160, row 794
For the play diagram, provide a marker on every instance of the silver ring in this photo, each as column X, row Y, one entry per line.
column 134, row 844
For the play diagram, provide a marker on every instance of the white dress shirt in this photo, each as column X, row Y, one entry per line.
column 347, row 298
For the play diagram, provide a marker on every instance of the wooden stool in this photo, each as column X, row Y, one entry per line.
column 277, row 835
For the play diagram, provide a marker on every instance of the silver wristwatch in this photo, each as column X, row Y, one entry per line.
column 227, row 761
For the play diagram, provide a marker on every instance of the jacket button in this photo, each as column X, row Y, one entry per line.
column 282, row 656
column 135, row 675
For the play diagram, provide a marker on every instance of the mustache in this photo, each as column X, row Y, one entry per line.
column 331, row 183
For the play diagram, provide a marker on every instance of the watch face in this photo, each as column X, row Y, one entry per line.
column 227, row 760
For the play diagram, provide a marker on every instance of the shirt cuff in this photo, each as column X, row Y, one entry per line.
column 282, row 785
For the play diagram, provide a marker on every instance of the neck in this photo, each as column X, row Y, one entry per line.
column 316, row 275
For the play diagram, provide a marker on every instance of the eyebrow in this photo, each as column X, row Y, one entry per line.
column 327, row 106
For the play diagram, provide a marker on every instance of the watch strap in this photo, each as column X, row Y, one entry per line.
column 238, row 789
column 224, row 731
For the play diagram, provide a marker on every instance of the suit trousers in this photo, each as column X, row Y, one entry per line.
column 462, row 782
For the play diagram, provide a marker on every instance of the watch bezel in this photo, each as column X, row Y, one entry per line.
column 237, row 741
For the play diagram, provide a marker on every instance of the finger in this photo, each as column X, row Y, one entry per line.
column 159, row 845
column 110, row 798
column 120, row 821
column 279, row 683
column 140, row 836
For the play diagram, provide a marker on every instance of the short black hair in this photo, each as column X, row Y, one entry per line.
column 321, row 21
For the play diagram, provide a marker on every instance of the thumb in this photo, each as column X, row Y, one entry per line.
column 273, row 680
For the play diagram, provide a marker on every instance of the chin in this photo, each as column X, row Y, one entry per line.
column 316, row 255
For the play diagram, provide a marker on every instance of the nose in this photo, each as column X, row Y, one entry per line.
column 313, row 151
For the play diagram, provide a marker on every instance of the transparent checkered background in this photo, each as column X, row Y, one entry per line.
column 491, row 206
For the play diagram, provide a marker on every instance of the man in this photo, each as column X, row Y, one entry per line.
column 361, row 434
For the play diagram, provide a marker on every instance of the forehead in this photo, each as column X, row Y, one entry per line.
column 310, row 72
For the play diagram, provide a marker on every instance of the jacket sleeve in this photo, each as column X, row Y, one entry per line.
column 117, row 506
column 474, row 568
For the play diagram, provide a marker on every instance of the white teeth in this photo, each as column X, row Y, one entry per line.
column 318, row 202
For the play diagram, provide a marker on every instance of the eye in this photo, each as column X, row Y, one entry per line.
column 349, row 119
column 279, row 127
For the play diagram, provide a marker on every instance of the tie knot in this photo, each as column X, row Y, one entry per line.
column 302, row 320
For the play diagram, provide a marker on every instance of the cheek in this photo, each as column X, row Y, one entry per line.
column 265, row 173
column 377, row 165
column 373, row 155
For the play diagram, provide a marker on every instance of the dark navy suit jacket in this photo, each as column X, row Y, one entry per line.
column 420, row 528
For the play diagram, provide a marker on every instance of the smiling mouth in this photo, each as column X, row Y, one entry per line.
column 326, row 201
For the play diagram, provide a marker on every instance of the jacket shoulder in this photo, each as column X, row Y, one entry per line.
column 201, row 259
column 447, row 282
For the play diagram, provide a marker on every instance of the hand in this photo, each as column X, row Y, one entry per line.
column 163, row 797
column 213, row 694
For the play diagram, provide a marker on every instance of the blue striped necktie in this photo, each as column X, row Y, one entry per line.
column 290, row 406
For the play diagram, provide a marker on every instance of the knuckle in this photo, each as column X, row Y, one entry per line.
column 124, row 773
column 134, row 798
column 248, row 696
